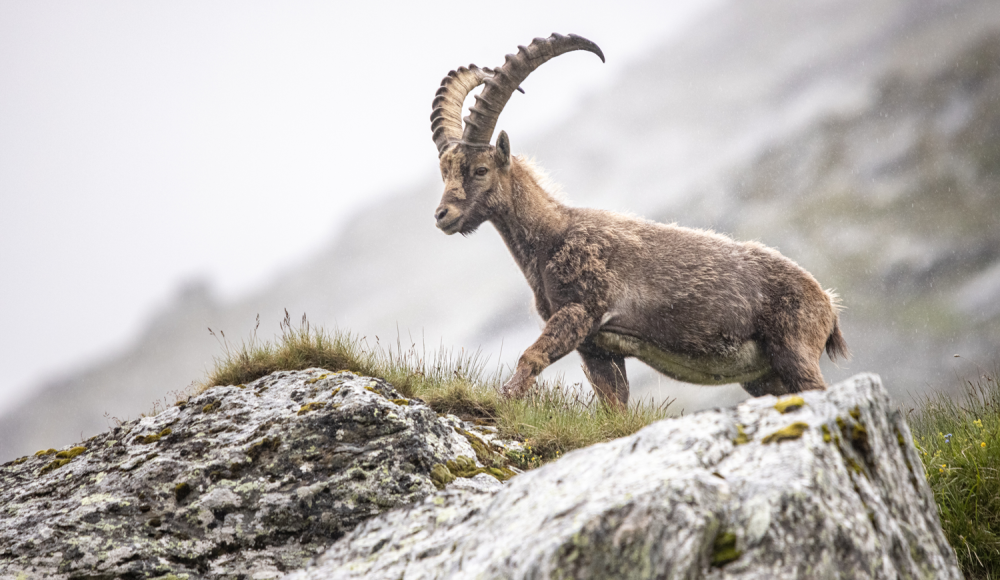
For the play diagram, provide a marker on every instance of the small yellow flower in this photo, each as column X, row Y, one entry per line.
column 983, row 444
column 978, row 423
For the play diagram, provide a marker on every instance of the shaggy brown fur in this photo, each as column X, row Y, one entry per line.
column 693, row 304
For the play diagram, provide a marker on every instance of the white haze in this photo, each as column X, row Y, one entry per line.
column 146, row 145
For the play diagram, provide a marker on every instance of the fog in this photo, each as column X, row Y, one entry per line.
column 144, row 146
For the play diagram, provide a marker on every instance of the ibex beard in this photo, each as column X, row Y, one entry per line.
column 695, row 305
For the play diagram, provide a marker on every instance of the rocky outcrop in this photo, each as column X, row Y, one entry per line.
column 826, row 485
column 245, row 481
column 253, row 481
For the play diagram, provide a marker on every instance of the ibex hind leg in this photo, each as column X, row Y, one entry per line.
column 797, row 366
column 769, row 384
column 606, row 372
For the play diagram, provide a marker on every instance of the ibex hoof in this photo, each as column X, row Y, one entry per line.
column 508, row 392
column 517, row 385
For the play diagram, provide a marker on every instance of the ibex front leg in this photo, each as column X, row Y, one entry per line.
column 564, row 331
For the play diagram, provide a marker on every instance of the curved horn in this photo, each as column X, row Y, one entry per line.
column 446, row 116
column 505, row 80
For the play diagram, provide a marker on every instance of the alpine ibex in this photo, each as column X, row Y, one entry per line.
column 695, row 305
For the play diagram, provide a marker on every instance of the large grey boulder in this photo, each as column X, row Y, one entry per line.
column 245, row 481
column 766, row 490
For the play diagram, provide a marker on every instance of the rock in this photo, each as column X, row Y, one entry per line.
column 242, row 481
column 830, row 488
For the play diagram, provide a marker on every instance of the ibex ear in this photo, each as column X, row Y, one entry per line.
column 503, row 150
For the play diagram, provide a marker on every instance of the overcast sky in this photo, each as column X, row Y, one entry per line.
column 147, row 144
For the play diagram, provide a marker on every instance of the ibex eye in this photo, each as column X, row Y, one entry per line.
column 481, row 171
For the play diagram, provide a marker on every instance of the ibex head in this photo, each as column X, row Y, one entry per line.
column 476, row 174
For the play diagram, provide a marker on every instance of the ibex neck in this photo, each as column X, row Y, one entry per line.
column 533, row 222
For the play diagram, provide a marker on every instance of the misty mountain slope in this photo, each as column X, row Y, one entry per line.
column 897, row 205
column 775, row 120
column 390, row 261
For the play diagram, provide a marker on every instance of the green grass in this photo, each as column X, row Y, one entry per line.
column 959, row 442
column 552, row 419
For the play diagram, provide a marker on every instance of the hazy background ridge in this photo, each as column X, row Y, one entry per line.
column 860, row 138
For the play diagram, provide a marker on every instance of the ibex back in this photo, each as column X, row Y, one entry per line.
column 695, row 305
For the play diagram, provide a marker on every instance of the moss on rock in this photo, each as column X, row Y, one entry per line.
column 71, row 453
column 311, row 407
column 181, row 491
column 724, row 549
column 789, row 404
column 147, row 439
column 793, row 431
column 441, row 475
column 741, row 436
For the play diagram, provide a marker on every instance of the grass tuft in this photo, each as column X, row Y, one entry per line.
column 959, row 443
column 552, row 419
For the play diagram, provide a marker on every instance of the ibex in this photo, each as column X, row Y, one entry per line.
column 693, row 304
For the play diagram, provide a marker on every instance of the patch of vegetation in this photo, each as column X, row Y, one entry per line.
column 552, row 419
column 741, row 436
column 146, row 440
column 789, row 404
column 793, row 431
column 182, row 490
column 311, row 407
column 959, row 443
column 62, row 458
column 71, row 453
column 444, row 473
column 525, row 458
column 725, row 550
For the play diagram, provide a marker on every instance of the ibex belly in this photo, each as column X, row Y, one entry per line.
column 743, row 364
